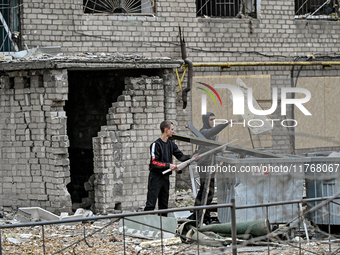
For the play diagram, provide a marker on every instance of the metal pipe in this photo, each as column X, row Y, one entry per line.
column 232, row 64
column 190, row 70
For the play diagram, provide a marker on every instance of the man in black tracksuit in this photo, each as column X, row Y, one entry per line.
column 210, row 132
column 161, row 152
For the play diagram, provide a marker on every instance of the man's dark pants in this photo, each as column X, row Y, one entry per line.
column 158, row 188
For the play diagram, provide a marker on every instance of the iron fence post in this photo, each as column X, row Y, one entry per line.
column 329, row 227
column 267, row 234
column 0, row 242
column 233, row 226
column 299, row 226
column 124, row 235
column 198, row 238
column 160, row 224
column 43, row 237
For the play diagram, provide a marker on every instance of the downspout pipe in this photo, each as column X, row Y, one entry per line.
column 293, row 85
column 292, row 136
column 190, row 70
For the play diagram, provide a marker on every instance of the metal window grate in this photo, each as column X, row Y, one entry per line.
column 118, row 6
column 8, row 24
column 225, row 8
column 217, row 8
column 315, row 7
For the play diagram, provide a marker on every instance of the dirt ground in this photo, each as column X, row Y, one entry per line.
column 61, row 239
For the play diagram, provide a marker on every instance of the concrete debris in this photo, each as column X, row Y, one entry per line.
column 37, row 52
column 147, row 226
column 34, row 214
column 54, row 53
column 298, row 239
column 19, row 238
column 180, row 215
column 169, row 241
column 115, row 239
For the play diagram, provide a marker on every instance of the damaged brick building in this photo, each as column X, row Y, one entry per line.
column 87, row 116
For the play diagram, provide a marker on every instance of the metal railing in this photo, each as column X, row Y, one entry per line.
column 234, row 247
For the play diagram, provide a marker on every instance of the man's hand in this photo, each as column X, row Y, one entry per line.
column 196, row 156
column 173, row 167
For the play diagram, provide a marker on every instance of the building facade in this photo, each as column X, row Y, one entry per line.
column 53, row 129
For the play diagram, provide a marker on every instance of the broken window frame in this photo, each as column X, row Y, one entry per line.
column 227, row 8
column 317, row 9
column 119, row 7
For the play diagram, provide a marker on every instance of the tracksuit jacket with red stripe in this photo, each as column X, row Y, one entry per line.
column 161, row 155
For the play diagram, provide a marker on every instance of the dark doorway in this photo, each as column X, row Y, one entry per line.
column 91, row 94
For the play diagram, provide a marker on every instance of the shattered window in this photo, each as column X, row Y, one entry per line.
column 226, row 8
column 119, row 6
column 317, row 9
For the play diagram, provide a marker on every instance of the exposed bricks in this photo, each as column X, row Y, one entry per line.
column 121, row 150
column 33, row 140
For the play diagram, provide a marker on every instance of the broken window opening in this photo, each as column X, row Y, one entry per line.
column 118, row 6
column 317, row 9
column 226, row 8
column 9, row 26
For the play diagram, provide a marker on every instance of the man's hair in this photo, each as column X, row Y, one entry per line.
column 165, row 124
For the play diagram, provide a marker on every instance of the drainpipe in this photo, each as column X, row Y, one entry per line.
column 293, row 85
column 292, row 135
column 190, row 70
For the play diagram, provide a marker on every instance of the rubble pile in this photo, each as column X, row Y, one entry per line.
column 105, row 237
